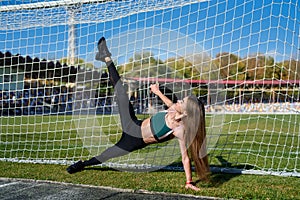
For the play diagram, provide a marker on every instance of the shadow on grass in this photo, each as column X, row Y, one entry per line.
column 218, row 179
column 220, row 174
column 226, row 171
column 100, row 169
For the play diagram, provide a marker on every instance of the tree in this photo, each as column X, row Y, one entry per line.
column 259, row 67
column 290, row 70
column 231, row 66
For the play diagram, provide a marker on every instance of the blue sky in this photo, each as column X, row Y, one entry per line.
column 241, row 27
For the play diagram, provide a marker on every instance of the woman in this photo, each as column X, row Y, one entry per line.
column 184, row 120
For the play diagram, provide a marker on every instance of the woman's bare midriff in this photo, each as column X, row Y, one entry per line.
column 147, row 133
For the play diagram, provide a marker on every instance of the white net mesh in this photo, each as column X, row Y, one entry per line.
column 241, row 58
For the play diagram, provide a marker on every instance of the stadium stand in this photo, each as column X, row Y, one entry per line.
column 33, row 86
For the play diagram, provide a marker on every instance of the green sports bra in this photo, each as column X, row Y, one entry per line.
column 159, row 128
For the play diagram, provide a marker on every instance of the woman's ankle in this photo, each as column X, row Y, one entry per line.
column 92, row 161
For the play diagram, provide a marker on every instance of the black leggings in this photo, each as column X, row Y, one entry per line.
column 131, row 138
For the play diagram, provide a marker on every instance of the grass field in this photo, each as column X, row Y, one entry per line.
column 262, row 142
column 228, row 186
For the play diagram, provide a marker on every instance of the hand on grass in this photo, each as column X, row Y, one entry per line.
column 192, row 187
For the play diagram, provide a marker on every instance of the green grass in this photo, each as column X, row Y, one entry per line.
column 260, row 142
column 222, row 185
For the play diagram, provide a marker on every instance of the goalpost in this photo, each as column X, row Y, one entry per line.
column 241, row 58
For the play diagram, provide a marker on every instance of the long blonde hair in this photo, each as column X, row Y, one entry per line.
column 195, row 136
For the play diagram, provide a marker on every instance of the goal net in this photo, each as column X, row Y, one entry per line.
column 241, row 58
